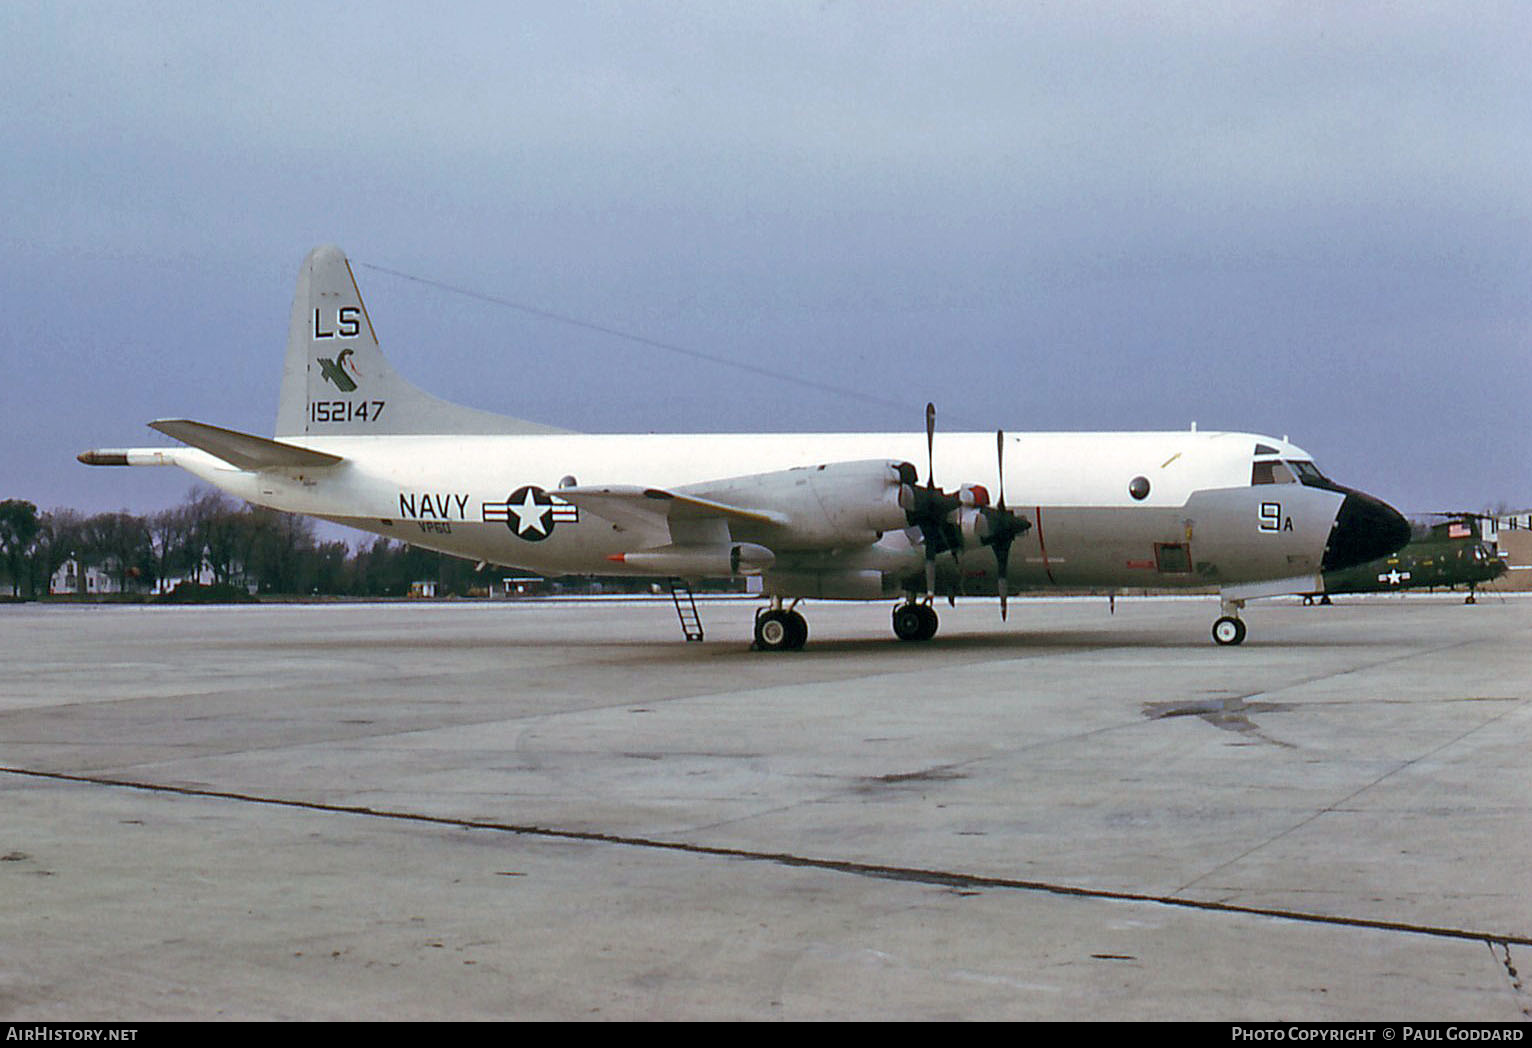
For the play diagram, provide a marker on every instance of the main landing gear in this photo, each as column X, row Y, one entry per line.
column 914, row 621
column 784, row 629
column 780, row 629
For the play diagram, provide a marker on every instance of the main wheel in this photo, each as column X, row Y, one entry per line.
column 914, row 621
column 1228, row 631
column 779, row 630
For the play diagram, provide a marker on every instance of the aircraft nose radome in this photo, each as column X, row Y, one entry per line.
column 1365, row 529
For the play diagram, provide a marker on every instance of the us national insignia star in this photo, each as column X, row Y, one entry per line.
column 531, row 512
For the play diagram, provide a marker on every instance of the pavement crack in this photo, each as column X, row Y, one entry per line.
column 1502, row 951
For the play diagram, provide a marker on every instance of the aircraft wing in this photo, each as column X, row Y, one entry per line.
column 663, row 517
column 244, row 450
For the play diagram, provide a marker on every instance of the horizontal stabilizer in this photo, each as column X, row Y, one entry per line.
column 244, row 450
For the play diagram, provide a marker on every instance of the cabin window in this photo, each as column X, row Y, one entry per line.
column 1271, row 472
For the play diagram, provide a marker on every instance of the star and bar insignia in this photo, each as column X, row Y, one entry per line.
column 531, row 512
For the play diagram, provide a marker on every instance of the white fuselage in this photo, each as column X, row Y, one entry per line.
column 451, row 493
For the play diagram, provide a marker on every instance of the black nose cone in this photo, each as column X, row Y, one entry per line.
column 1365, row 529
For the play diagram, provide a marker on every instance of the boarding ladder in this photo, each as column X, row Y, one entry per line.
column 686, row 610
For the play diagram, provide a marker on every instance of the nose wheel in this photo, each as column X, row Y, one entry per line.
column 1228, row 631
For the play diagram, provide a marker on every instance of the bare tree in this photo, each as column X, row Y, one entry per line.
column 170, row 541
column 60, row 538
column 18, row 533
column 118, row 542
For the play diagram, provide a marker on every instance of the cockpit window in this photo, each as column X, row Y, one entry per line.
column 1307, row 471
column 1271, row 472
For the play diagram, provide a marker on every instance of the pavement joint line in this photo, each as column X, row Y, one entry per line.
column 916, row 875
column 1343, row 803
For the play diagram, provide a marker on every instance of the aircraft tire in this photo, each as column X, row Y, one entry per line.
column 1228, row 631
column 797, row 631
column 914, row 621
column 780, row 631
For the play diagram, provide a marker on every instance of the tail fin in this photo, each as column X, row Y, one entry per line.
column 336, row 381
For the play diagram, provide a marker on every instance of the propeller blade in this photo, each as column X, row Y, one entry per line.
column 1002, row 564
column 930, row 445
column 1000, row 464
column 1002, row 541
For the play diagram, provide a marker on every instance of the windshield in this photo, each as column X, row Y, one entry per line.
column 1270, row 472
column 1307, row 472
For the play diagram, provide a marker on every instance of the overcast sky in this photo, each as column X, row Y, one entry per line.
column 1301, row 219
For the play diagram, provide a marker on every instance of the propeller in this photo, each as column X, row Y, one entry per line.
column 1001, row 526
column 942, row 507
column 939, row 516
column 930, row 509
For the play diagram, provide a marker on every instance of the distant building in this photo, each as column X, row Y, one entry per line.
column 101, row 579
column 72, row 577
column 524, row 586
column 1514, row 538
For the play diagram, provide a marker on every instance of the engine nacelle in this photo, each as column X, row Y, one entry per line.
column 834, row 506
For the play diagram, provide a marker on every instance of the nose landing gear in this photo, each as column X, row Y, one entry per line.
column 1229, row 628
